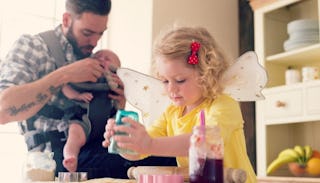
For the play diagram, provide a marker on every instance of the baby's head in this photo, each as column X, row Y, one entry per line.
column 110, row 61
column 208, row 60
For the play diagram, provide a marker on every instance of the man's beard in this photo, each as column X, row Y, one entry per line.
column 76, row 49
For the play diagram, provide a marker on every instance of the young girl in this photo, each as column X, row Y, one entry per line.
column 190, row 65
column 79, row 130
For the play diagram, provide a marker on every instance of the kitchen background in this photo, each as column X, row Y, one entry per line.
column 132, row 27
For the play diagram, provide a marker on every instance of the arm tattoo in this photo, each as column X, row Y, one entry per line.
column 24, row 107
column 53, row 90
column 40, row 99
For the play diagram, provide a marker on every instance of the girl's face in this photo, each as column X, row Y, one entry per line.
column 180, row 82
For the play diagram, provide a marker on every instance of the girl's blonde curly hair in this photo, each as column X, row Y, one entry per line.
column 175, row 44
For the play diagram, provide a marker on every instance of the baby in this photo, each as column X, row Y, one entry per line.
column 78, row 130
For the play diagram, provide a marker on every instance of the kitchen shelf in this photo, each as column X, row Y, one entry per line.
column 290, row 114
column 309, row 55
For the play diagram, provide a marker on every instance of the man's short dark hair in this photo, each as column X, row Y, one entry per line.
column 78, row 7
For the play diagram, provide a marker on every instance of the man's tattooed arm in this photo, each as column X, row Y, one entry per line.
column 40, row 99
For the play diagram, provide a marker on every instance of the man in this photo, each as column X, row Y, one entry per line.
column 31, row 78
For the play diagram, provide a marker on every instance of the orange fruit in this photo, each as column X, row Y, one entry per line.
column 296, row 169
column 315, row 154
column 313, row 166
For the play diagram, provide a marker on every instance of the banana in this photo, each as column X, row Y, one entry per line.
column 281, row 160
column 308, row 152
column 301, row 152
column 289, row 153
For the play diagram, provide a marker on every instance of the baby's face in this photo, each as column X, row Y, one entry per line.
column 108, row 60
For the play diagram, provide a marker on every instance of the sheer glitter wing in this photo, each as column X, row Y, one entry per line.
column 145, row 93
column 244, row 81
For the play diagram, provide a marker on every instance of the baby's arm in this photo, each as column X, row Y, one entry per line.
column 70, row 93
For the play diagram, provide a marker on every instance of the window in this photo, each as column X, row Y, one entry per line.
column 31, row 17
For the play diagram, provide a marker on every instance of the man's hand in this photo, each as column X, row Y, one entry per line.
column 88, row 69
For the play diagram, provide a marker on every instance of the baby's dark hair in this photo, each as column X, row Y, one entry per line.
column 175, row 45
column 78, row 7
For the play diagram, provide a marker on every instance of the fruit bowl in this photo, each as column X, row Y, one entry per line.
column 310, row 169
column 302, row 161
column 297, row 169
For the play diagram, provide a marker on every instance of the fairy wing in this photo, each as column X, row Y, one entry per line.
column 245, row 79
column 145, row 93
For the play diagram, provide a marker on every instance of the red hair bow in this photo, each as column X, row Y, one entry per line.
column 193, row 58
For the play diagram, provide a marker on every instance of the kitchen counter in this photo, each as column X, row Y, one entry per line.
column 230, row 175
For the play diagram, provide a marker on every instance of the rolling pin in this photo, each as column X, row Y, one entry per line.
column 231, row 175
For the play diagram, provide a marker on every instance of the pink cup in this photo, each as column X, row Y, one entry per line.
column 174, row 178
column 145, row 178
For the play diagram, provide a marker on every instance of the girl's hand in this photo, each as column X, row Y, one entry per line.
column 109, row 131
column 137, row 139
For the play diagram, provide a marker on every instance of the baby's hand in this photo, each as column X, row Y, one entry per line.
column 85, row 97
column 111, row 79
column 108, row 132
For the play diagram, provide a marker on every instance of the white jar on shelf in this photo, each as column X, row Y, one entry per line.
column 310, row 73
column 292, row 76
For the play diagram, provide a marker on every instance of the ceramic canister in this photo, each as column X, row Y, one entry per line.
column 292, row 76
column 310, row 73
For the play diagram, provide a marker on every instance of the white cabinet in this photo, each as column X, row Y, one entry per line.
column 282, row 104
column 290, row 114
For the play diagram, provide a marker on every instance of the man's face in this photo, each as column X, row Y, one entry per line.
column 84, row 33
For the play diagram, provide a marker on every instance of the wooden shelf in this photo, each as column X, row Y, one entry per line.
column 302, row 56
column 255, row 4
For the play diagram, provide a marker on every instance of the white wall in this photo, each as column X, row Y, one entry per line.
column 129, row 32
column 20, row 17
column 134, row 24
column 219, row 17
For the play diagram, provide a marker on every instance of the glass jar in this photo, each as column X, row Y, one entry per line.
column 206, row 155
column 39, row 166
column 114, row 148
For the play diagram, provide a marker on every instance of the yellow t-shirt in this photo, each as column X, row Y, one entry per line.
column 224, row 112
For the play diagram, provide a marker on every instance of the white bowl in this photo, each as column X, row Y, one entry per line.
column 291, row 45
column 304, row 35
column 302, row 24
